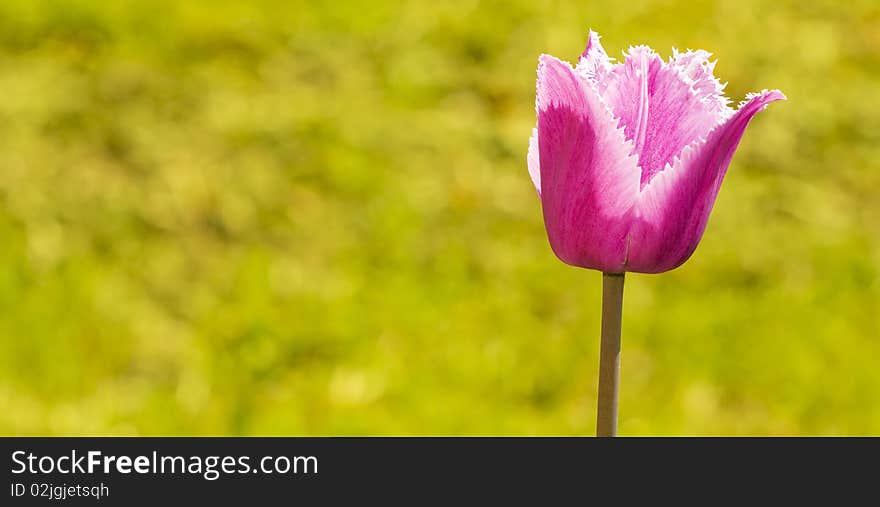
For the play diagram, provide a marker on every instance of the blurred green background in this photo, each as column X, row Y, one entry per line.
column 315, row 218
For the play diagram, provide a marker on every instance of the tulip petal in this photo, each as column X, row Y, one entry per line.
column 674, row 207
column 589, row 180
column 663, row 107
column 695, row 69
column 534, row 161
column 594, row 64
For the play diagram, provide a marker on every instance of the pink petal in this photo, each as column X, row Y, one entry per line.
column 534, row 161
column 695, row 68
column 594, row 63
column 663, row 107
column 674, row 207
column 589, row 181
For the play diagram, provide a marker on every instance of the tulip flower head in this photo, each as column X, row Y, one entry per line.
column 628, row 157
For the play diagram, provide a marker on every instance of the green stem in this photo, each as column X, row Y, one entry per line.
column 609, row 355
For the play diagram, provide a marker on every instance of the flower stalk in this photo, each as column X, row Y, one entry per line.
column 609, row 354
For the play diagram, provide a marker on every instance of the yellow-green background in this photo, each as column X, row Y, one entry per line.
column 315, row 218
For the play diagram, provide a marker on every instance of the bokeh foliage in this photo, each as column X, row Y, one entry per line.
column 315, row 218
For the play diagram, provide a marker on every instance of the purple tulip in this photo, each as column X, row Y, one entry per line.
column 629, row 157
